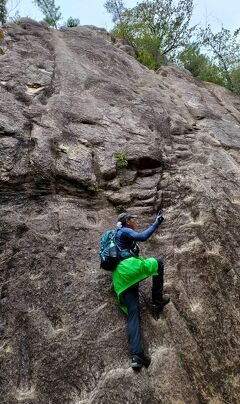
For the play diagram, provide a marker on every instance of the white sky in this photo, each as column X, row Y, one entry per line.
column 92, row 12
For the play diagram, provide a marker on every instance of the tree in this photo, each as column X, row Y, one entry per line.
column 225, row 50
column 116, row 8
column 155, row 27
column 72, row 22
column 120, row 16
column 6, row 11
column 51, row 13
column 200, row 65
column 3, row 11
column 235, row 77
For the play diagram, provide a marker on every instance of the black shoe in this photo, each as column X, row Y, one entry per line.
column 140, row 360
column 160, row 303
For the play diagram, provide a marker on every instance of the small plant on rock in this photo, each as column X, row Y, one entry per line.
column 120, row 209
column 121, row 160
column 1, row 39
column 72, row 22
column 181, row 360
column 94, row 189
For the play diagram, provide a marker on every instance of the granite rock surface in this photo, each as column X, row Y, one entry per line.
column 71, row 102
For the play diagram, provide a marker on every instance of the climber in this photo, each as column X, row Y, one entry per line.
column 126, row 277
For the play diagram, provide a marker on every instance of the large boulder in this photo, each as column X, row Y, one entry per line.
column 71, row 103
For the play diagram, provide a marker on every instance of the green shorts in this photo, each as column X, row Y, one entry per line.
column 130, row 271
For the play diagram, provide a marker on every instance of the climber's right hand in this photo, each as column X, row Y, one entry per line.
column 159, row 218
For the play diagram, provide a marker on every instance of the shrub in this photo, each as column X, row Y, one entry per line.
column 94, row 189
column 73, row 22
column 121, row 160
column 120, row 209
column 200, row 65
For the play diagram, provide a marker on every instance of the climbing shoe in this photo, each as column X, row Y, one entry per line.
column 140, row 360
column 160, row 303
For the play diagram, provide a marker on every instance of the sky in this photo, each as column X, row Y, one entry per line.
column 92, row 12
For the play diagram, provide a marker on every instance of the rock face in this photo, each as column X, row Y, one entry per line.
column 71, row 102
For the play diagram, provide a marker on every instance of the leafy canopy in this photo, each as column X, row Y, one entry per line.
column 200, row 65
column 154, row 28
column 3, row 11
column 51, row 12
column 225, row 50
column 116, row 8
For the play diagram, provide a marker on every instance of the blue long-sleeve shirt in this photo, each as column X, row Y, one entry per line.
column 126, row 239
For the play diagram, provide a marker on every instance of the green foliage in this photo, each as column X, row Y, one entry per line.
column 200, row 65
column 192, row 60
column 3, row 11
column 51, row 13
column 147, row 59
column 225, row 50
column 213, row 74
column 6, row 12
column 181, row 360
column 154, row 28
column 235, row 78
column 1, row 39
column 94, row 189
column 119, row 209
column 161, row 24
column 160, row 28
column 121, row 160
column 116, row 8
column 72, row 22
column 149, row 54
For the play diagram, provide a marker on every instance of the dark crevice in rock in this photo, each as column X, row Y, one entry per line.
column 21, row 230
column 33, row 188
column 45, row 94
column 4, row 292
column 229, row 148
column 6, row 132
column 149, row 172
column 69, row 187
column 66, row 187
column 108, row 176
column 35, row 122
column 3, row 241
column 73, row 186
column 31, row 143
column 25, row 187
column 86, row 121
column 143, row 163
